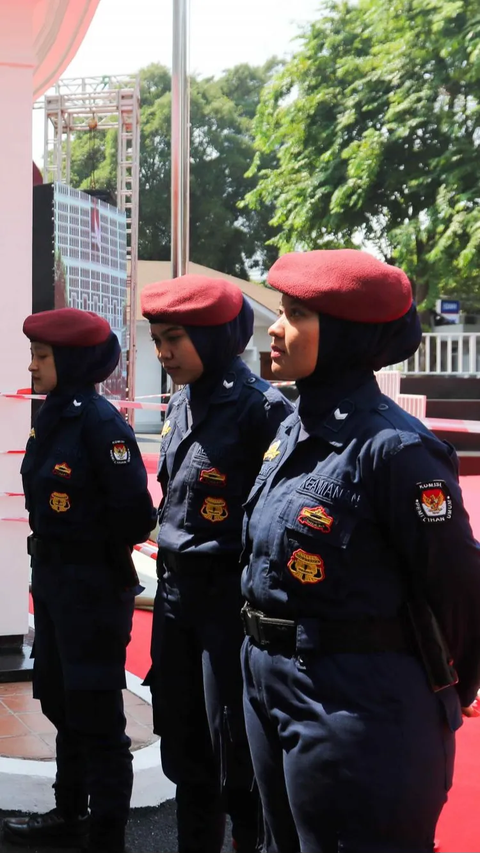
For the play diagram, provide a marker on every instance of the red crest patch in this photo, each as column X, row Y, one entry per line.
column 305, row 567
column 214, row 509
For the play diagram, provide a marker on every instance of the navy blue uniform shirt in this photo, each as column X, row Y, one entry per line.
column 344, row 522
column 207, row 471
column 85, row 480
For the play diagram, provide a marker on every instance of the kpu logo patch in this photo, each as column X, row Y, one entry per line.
column 119, row 453
column 305, row 567
column 433, row 503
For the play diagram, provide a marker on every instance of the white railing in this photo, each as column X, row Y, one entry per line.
column 445, row 353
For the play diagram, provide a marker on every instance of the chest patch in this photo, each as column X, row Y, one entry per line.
column 59, row 502
column 166, row 429
column 433, row 503
column 272, row 452
column 119, row 453
column 61, row 469
column 305, row 567
column 213, row 476
column 317, row 518
column 214, row 510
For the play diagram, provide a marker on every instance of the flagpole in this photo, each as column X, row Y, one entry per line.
column 180, row 146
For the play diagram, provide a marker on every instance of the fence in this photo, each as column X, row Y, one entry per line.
column 445, row 353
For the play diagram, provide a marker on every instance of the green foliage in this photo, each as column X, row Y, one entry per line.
column 373, row 130
column 222, row 112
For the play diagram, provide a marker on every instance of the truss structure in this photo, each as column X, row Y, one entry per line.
column 95, row 104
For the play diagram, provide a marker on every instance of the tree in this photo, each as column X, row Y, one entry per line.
column 222, row 112
column 374, row 127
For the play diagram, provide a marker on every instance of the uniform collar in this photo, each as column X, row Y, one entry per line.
column 338, row 425
column 76, row 406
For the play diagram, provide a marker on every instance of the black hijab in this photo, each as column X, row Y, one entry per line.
column 78, row 369
column 348, row 355
column 217, row 347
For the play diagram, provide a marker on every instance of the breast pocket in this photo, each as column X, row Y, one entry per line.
column 314, row 538
column 214, row 495
column 62, row 479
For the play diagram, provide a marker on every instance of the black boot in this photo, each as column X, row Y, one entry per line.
column 107, row 836
column 48, row 830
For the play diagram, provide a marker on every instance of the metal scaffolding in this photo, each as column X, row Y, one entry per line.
column 96, row 104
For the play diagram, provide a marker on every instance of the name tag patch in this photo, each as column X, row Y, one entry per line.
column 329, row 490
column 433, row 503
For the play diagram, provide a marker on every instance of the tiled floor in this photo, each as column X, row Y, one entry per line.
column 26, row 733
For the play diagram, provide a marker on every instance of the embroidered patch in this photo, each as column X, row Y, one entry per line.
column 272, row 451
column 213, row 475
column 60, row 501
column 31, row 434
column 214, row 509
column 61, row 469
column 166, row 429
column 433, row 503
column 317, row 518
column 120, row 453
column 305, row 567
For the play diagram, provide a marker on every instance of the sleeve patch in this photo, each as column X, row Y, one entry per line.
column 433, row 502
column 119, row 453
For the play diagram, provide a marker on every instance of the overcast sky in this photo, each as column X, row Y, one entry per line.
column 126, row 35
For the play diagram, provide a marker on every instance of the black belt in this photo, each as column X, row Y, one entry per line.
column 73, row 551
column 360, row 636
column 195, row 564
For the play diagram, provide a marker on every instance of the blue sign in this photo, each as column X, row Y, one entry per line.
column 449, row 306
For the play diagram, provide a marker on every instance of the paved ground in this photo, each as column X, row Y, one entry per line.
column 150, row 830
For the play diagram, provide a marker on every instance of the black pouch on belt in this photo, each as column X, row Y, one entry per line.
column 431, row 646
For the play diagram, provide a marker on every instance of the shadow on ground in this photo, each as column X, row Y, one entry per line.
column 150, row 830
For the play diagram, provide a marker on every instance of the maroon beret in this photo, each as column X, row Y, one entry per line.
column 192, row 300
column 67, row 327
column 346, row 283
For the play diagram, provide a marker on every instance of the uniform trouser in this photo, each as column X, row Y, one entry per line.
column 78, row 676
column 196, row 687
column 351, row 753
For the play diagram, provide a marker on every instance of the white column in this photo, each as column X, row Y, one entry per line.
column 16, row 86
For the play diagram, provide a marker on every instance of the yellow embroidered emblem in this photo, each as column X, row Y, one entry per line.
column 272, row 451
column 305, row 567
column 31, row 434
column 317, row 518
column 166, row 429
column 213, row 475
column 62, row 470
column 214, row 509
column 59, row 501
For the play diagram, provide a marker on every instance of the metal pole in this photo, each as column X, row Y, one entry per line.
column 180, row 139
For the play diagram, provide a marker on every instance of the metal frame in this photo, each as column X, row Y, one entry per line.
column 113, row 102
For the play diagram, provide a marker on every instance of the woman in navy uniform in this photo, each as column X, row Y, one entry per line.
column 86, row 493
column 216, row 431
column 362, row 578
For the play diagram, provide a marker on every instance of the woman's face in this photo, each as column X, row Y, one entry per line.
column 296, row 337
column 42, row 367
column 176, row 352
